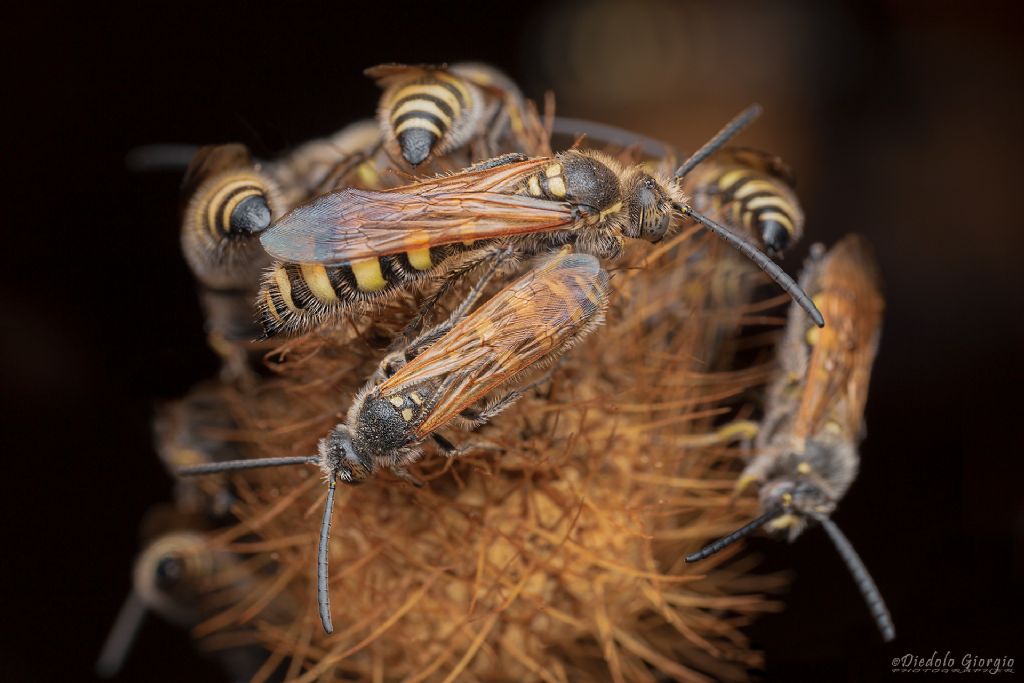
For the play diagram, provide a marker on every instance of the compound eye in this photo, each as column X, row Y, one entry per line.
column 775, row 236
column 251, row 216
column 169, row 571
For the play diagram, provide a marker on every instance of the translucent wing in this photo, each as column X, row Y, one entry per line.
column 534, row 319
column 351, row 224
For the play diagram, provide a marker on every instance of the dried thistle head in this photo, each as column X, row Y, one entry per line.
column 554, row 553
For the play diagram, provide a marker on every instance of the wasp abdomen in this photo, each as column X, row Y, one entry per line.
column 296, row 297
column 764, row 205
column 429, row 112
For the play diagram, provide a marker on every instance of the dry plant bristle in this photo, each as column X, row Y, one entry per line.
column 558, row 558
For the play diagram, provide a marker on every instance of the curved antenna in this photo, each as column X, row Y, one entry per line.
column 866, row 585
column 323, row 595
column 745, row 530
column 761, row 260
column 738, row 123
column 601, row 132
column 249, row 464
column 122, row 634
column 155, row 158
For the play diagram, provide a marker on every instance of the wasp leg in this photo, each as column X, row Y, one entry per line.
column 450, row 450
column 497, row 256
column 504, row 159
column 402, row 473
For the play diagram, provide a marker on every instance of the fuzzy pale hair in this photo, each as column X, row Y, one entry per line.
column 557, row 557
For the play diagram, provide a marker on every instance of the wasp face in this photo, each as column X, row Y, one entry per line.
column 339, row 458
column 799, row 498
column 648, row 208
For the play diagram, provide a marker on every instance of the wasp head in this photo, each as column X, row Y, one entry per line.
column 648, row 207
column 340, row 460
column 800, row 495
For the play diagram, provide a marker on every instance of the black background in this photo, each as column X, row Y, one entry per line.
column 903, row 123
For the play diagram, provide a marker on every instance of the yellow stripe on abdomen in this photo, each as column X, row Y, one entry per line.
column 284, row 286
column 417, row 122
column 420, row 258
column 319, row 284
column 369, row 277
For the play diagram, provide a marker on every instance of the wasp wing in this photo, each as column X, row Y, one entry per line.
column 532, row 320
column 352, row 224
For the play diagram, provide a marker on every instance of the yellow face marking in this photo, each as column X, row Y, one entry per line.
column 533, row 186
column 614, row 208
column 396, row 401
column 369, row 277
column 426, row 124
column 422, row 106
column 420, row 258
column 433, row 90
column 407, row 414
column 553, row 170
column 319, row 284
column 284, row 286
column 803, row 468
column 787, row 499
column 783, row 522
column 416, row 398
column 556, row 186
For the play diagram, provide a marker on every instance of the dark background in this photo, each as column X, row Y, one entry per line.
column 902, row 120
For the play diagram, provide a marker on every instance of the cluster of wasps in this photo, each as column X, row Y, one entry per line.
column 455, row 183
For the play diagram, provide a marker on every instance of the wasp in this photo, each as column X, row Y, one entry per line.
column 430, row 111
column 807, row 443
column 751, row 189
column 353, row 246
column 229, row 200
column 321, row 165
column 448, row 375
column 196, row 430
column 172, row 577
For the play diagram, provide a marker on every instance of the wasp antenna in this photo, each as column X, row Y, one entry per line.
column 866, row 585
column 741, row 121
column 156, row 158
column 761, row 260
column 122, row 635
column 249, row 464
column 745, row 530
column 323, row 595
column 571, row 127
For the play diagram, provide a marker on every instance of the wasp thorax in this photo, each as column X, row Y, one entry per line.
column 648, row 208
column 590, row 183
column 340, row 459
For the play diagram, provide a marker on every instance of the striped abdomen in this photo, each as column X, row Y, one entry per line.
column 300, row 297
column 229, row 202
column 764, row 205
column 429, row 111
